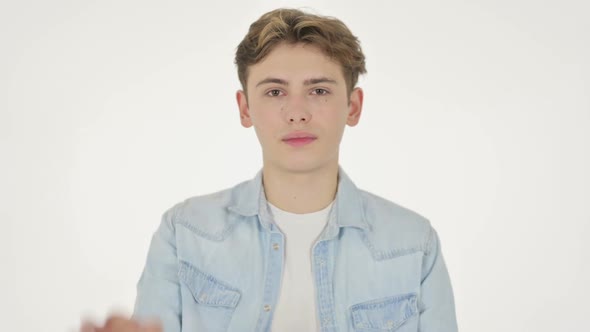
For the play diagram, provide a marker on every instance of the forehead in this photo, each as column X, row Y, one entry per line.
column 295, row 62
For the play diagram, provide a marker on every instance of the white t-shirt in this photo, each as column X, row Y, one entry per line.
column 296, row 306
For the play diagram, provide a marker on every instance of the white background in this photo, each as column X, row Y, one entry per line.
column 477, row 116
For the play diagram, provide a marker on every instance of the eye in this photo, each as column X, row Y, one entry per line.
column 320, row 92
column 274, row 93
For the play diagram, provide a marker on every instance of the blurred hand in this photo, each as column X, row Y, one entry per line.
column 117, row 323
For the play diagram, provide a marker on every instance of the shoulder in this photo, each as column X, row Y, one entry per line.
column 206, row 215
column 393, row 229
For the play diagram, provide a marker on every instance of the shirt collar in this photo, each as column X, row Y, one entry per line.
column 248, row 199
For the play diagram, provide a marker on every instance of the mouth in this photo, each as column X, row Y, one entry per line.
column 297, row 139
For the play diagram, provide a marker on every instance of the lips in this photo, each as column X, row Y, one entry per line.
column 299, row 138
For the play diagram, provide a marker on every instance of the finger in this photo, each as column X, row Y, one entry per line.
column 88, row 327
column 119, row 323
column 151, row 327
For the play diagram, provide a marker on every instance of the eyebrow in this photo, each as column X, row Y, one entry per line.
column 309, row 81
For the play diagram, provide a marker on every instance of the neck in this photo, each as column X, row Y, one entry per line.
column 303, row 192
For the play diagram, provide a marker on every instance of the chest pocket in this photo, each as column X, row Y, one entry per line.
column 387, row 314
column 214, row 300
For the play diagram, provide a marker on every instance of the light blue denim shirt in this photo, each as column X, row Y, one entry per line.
column 215, row 264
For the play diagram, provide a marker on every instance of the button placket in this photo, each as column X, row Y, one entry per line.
column 272, row 279
column 321, row 253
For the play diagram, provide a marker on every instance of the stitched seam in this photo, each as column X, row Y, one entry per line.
column 385, row 302
column 214, row 237
column 383, row 255
column 187, row 270
column 429, row 238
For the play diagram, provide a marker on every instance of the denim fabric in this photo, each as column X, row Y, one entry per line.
column 215, row 264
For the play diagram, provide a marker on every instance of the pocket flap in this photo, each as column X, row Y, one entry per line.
column 385, row 314
column 207, row 289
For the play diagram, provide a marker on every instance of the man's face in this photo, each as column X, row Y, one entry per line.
column 298, row 104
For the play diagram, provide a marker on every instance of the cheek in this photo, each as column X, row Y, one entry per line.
column 265, row 123
column 263, row 114
column 264, row 137
column 335, row 115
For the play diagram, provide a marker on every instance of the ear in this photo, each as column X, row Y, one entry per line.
column 355, row 107
column 243, row 107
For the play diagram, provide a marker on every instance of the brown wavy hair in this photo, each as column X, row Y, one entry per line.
column 293, row 26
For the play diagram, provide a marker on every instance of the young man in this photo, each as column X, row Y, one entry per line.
column 299, row 247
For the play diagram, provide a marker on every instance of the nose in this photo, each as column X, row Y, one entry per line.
column 296, row 112
column 296, row 118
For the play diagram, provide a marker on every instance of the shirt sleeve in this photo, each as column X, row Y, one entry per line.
column 158, row 288
column 437, row 304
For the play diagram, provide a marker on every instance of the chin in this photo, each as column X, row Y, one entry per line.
column 303, row 162
column 302, row 166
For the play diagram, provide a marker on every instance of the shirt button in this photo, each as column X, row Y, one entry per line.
column 266, row 307
column 275, row 246
column 203, row 298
